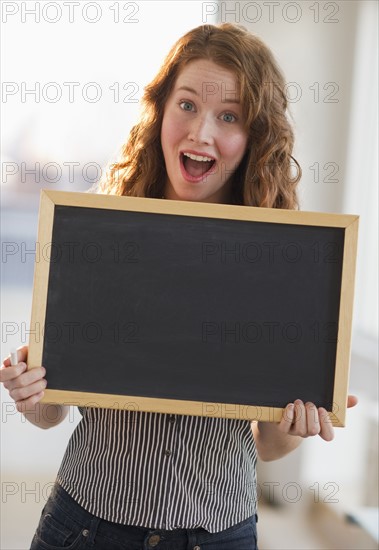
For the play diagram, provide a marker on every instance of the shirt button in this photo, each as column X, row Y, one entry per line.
column 167, row 452
column 153, row 540
column 171, row 419
column 196, row 548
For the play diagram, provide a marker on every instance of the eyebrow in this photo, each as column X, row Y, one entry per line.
column 189, row 89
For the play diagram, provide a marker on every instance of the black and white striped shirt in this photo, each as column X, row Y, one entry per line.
column 162, row 471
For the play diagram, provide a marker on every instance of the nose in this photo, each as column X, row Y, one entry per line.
column 201, row 130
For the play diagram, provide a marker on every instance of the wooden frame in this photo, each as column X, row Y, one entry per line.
column 349, row 223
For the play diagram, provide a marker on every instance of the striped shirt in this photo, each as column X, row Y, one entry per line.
column 161, row 471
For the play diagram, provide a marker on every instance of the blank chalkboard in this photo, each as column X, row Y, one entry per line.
column 192, row 308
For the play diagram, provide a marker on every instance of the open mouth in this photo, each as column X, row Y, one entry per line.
column 195, row 167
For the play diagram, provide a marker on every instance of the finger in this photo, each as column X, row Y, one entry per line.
column 327, row 430
column 28, row 404
column 300, row 421
column 19, row 394
column 313, row 422
column 352, row 400
column 287, row 418
column 8, row 373
column 26, row 378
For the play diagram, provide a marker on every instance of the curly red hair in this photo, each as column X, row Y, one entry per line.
column 268, row 174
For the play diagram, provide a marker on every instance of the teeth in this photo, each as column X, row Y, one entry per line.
column 197, row 157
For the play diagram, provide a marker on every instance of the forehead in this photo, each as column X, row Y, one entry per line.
column 208, row 79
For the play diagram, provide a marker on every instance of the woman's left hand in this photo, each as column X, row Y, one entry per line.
column 306, row 420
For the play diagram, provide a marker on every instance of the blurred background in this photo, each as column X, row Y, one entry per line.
column 72, row 77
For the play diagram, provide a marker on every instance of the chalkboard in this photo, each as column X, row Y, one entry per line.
column 192, row 308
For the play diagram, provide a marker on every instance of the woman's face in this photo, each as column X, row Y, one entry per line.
column 203, row 136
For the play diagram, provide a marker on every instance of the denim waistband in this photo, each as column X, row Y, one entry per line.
column 77, row 513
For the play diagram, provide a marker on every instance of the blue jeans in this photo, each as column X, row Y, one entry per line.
column 64, row 524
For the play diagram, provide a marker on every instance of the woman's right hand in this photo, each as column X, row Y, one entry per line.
column 25, row 387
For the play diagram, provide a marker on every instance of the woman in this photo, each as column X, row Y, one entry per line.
column 213, row 129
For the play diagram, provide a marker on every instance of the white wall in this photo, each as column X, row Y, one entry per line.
column 316, row 58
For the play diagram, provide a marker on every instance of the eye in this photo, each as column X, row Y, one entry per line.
column 228, row 117
column 186, row 105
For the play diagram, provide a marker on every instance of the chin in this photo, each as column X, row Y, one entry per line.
column 187, row 197
column 184, row 194
column 195, row 193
